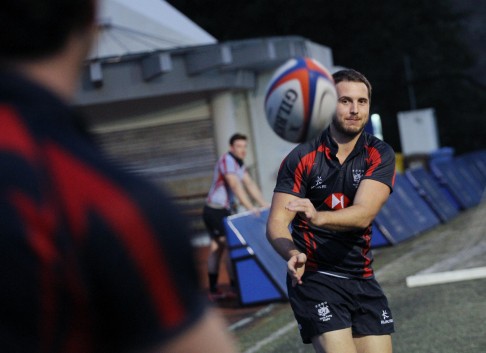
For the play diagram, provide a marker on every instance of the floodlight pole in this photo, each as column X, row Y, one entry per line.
column 408, row 77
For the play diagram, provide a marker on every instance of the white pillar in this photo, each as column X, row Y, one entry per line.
column 224, row 120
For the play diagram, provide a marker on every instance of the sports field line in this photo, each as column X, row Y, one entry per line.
column 446, row 277
column 274, row 336
column 247, row 320
column 454, row 262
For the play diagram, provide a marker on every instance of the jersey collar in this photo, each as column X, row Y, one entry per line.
column 238, row 160
column 329, row 142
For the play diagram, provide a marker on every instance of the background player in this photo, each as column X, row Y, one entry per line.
column 231, row 183
column 329, row 190
column 91, row 259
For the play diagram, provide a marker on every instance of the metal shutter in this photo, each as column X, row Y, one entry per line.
column 179, row 155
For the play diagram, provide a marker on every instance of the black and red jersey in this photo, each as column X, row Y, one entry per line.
column 313, row 171
column 92, row 258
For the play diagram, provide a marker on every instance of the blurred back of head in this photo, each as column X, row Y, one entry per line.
column 34, row 29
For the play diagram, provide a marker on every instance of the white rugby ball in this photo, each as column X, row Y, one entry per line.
column 300, row 99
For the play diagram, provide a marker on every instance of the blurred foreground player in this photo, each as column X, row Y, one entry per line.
column 91, row 259
column 330, row 189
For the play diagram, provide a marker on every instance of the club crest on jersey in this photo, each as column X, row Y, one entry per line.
column 357, row 175
column 337, row 201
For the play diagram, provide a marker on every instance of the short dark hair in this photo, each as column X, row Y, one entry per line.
column 352, row 76
column 235, row 137
column 34, row 29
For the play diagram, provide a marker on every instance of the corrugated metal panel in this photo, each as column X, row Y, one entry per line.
column 179, row 150
column 180, row 155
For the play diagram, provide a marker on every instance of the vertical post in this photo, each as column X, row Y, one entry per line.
column 224, row 120
column 408, row 77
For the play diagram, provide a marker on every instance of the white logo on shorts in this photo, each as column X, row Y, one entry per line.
column 386, row 319
column 323, row 311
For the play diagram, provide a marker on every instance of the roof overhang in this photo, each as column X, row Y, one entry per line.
column 190, row 71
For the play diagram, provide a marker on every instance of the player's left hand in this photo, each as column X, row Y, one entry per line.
column 303, row 206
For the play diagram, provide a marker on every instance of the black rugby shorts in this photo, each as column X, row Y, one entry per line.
column 325, row 303
column 213, row 220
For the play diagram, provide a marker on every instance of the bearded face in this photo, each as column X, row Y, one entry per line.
column 353, row 108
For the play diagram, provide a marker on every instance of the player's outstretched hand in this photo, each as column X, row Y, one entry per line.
column 296, row 268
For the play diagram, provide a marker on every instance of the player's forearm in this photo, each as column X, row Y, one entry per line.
column 256, row 194
column 258, row 197
column 347, row 219
column 281, row 240
column 243, row 197
column 209, row 334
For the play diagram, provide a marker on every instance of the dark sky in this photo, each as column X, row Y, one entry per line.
column 476, row 33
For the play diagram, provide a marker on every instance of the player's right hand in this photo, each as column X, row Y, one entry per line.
column 296, row 268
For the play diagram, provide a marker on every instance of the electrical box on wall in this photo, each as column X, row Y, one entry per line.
column 418, row 131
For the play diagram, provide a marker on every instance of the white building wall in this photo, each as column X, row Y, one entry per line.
column 270, row 148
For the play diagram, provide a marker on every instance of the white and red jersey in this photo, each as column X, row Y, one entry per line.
column 220, row 193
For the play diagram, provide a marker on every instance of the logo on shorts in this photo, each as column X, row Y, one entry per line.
column 385, row 318
column 323, row 311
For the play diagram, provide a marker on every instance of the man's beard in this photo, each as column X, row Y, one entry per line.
column 345, row 131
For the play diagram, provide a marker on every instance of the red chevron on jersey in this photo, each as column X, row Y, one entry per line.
column 337, row 201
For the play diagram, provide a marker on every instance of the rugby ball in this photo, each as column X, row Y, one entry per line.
column 300, row 99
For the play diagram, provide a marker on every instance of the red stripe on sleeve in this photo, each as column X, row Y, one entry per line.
column 303, row 169
column 374, row 160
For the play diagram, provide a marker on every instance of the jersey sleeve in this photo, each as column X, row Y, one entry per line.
column 292, row 175
column 381, row 164
column 228, row 165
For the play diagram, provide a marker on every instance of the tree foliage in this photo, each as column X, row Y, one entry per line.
column 376, row 37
